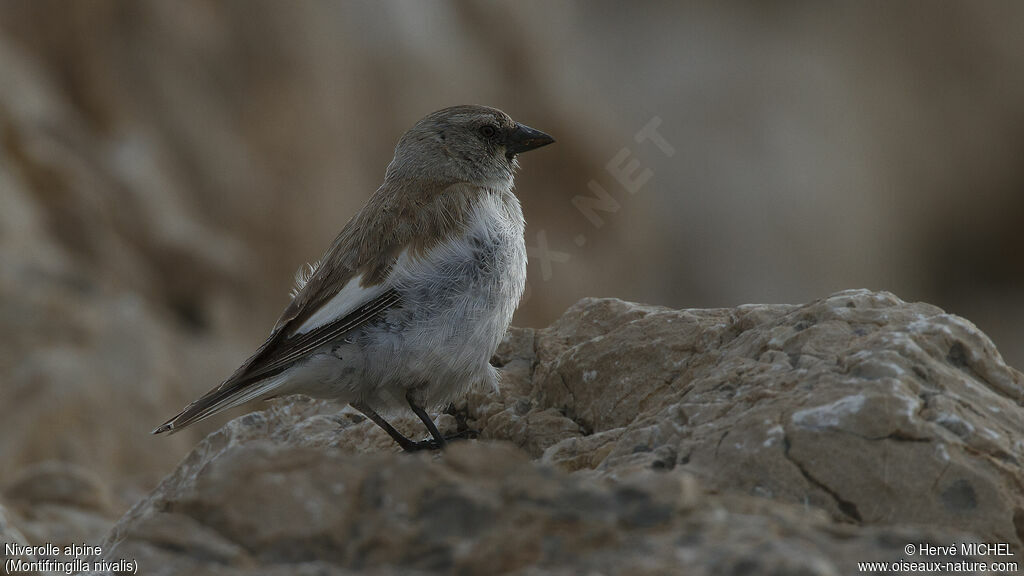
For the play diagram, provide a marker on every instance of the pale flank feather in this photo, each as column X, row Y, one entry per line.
column 302, row 276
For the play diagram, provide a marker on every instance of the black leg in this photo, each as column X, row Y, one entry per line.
column 425, row 418
column 405, row 443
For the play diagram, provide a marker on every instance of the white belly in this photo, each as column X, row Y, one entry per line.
column 457, row 303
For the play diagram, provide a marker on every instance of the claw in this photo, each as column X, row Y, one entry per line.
column 428, row 444
column 432, row 444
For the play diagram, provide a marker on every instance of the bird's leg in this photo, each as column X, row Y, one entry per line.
column 405, row 443
column 439, row 440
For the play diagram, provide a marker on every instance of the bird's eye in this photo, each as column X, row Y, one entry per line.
column 488, row 131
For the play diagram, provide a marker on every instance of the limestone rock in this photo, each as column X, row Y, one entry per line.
column 629, row 439
column 243, row 505
column 878, row 411
column 885, row 387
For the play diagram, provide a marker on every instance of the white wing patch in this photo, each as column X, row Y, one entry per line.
column 302, row 276
column 350, row 297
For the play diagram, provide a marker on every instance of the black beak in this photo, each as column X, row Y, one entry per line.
column 524, row 139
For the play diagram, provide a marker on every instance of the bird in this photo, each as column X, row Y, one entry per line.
column 410, row 301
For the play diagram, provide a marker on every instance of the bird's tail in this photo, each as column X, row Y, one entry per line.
column 219, row 399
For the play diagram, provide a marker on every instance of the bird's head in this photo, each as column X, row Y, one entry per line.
column 474, row 144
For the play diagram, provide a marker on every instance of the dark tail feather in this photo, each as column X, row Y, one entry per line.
column 217, row 400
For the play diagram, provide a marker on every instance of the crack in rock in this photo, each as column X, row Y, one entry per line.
column 849, row 509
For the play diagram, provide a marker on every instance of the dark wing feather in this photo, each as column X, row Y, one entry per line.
column 271, row 360
column 274, row 356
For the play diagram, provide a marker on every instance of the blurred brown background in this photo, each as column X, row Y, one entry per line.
column 165, row 167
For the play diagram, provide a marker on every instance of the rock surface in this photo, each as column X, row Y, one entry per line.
column 629, row 439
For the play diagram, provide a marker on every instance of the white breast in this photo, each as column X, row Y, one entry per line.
column 458, row 300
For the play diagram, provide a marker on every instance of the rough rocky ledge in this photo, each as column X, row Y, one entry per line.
column 630, row 439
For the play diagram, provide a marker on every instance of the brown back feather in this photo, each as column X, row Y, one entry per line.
column 401, row 214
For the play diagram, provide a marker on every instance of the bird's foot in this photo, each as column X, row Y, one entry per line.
column 428, row 444
column 433, row 444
